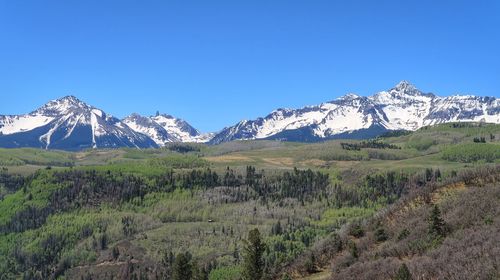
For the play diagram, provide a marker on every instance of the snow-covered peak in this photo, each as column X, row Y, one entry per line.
column 164, row 128
column 178, row 127
column 71, row 99
column 137, row 118
column 65, row 105
column 147, row 126
column 405, row 86
column 403, row 106
column 404, row 93
column 69, row 123
column 349, row 96
column 280, row 111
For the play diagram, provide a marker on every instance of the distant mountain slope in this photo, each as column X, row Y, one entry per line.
column 164, row 128
column 403, row 107
column 69, row 124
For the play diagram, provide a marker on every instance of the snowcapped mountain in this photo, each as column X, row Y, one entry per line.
column 164, row 128
column 403, row 107
column 70, row 124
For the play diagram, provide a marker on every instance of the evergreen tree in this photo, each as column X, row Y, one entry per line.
column 353, row 249
column 356, row 230
column 182, row 269
column 252, row 259
column 277, row 229
column 437, row 174
column 128, row 226
column 311, row 264
column 381, row 235
column 403, row 273
column 428, row 174
column 199, row 272
column 436, row 223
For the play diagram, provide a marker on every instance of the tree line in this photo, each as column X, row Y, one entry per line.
column 373, row 143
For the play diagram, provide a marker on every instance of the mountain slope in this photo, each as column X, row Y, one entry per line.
column 403, row 107
column 164, row 128
column 69, row 124
column 401, row 235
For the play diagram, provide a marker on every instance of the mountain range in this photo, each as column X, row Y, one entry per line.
column 70, row 124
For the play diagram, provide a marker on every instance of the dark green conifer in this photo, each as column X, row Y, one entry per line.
column 253, row 263
column 437, row 226
column 182, row 269
column 403, row 273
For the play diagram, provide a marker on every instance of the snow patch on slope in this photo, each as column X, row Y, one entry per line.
column 15, row 124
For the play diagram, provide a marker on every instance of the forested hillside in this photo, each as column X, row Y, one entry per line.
column 423, row 204
column 445, row 230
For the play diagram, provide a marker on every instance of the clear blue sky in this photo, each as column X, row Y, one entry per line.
column 214, row 63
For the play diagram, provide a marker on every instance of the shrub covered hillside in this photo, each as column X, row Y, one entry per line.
column 445, row 230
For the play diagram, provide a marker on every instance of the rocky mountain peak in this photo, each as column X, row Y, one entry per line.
column 64, row 105
column 164, row 128
column 405, row 88
column 350, row 96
